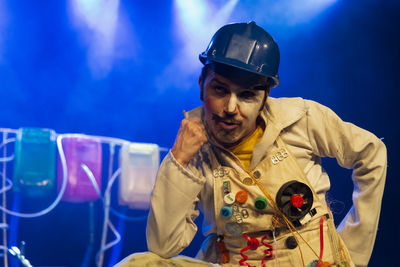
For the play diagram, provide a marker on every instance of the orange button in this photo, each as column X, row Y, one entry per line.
column 241, row 196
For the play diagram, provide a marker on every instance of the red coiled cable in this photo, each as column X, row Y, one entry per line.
column 253, row 244
column 267, row 252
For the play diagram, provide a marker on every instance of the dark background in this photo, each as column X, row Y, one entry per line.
column 128, row 71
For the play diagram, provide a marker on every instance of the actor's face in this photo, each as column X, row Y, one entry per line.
column 230, row 110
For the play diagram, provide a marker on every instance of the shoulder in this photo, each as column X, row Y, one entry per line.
column 292, row 108
column 285, row 111
column 291, row 104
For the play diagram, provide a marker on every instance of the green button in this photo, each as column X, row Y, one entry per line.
column 260, row 203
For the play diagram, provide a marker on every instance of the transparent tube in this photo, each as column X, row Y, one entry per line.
column 9, row 158
column 107, row 194
column 7, row 141
column 6, row 159
column 112, row 243
column 60, row 194
column 7, row 187
column 4, row 198
column 108, row 188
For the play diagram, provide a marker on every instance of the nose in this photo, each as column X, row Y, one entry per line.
column 232, row 104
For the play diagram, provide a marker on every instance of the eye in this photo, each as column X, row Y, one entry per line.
column 247, row 95
column 220, row 90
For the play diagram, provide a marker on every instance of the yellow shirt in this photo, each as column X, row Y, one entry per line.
column 244, row 150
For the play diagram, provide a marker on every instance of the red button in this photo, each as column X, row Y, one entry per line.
column 296, row 201
column 241, row 196
column 253, row 243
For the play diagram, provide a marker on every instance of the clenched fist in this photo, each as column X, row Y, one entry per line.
column 191, row 136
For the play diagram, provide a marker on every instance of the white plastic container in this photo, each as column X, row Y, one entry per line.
column 139, row 164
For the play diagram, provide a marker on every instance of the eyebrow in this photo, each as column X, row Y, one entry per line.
column 252, row 89
column 218, row 81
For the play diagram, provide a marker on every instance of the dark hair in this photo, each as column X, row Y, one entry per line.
column 241, row 77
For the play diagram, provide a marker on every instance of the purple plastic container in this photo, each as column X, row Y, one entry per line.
column 80, row 149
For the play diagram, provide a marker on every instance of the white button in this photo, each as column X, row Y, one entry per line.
column 229, row 198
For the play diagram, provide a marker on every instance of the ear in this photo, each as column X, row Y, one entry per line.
column 201, row 87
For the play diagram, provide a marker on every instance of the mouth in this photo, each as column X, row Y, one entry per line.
column 226, row 123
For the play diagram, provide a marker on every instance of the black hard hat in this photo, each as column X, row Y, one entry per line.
column 246, row 46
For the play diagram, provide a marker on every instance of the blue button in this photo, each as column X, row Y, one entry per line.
column 234, row 229
column 226, row 212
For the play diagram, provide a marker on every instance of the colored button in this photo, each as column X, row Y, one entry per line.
column 229, row 198
column 260, row 203
column 234, row 229
column 316, row 263
column 296, row 201
column 227, row 187
column 291, row 242
column 253, row 243
column 257, row 174
column 226, row 212
column 241, row 196
column 313, row 263
column 247, row 181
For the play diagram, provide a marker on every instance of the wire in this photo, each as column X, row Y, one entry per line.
column 109, row 185
column 4, row 197
column 60, row 194
column 7, row 141
column 6, row 159
column 107, row 196
column 7, row 130
column 288, row 223
column 112, row 243
column 6, row 188
column 276, row 247
column 4, row 143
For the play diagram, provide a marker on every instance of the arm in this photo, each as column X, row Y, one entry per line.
column 170, row 226
column 363, row 152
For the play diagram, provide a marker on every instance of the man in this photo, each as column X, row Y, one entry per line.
column 251, row 164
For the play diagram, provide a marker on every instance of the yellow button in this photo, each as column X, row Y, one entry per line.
column 247, row 181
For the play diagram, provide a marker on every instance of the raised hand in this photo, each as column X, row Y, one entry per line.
column 190, row 138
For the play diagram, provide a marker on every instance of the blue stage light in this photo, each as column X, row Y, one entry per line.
column 97, row 21
column 195, row 23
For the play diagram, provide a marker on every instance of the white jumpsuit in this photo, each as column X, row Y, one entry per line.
column 307, row 131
